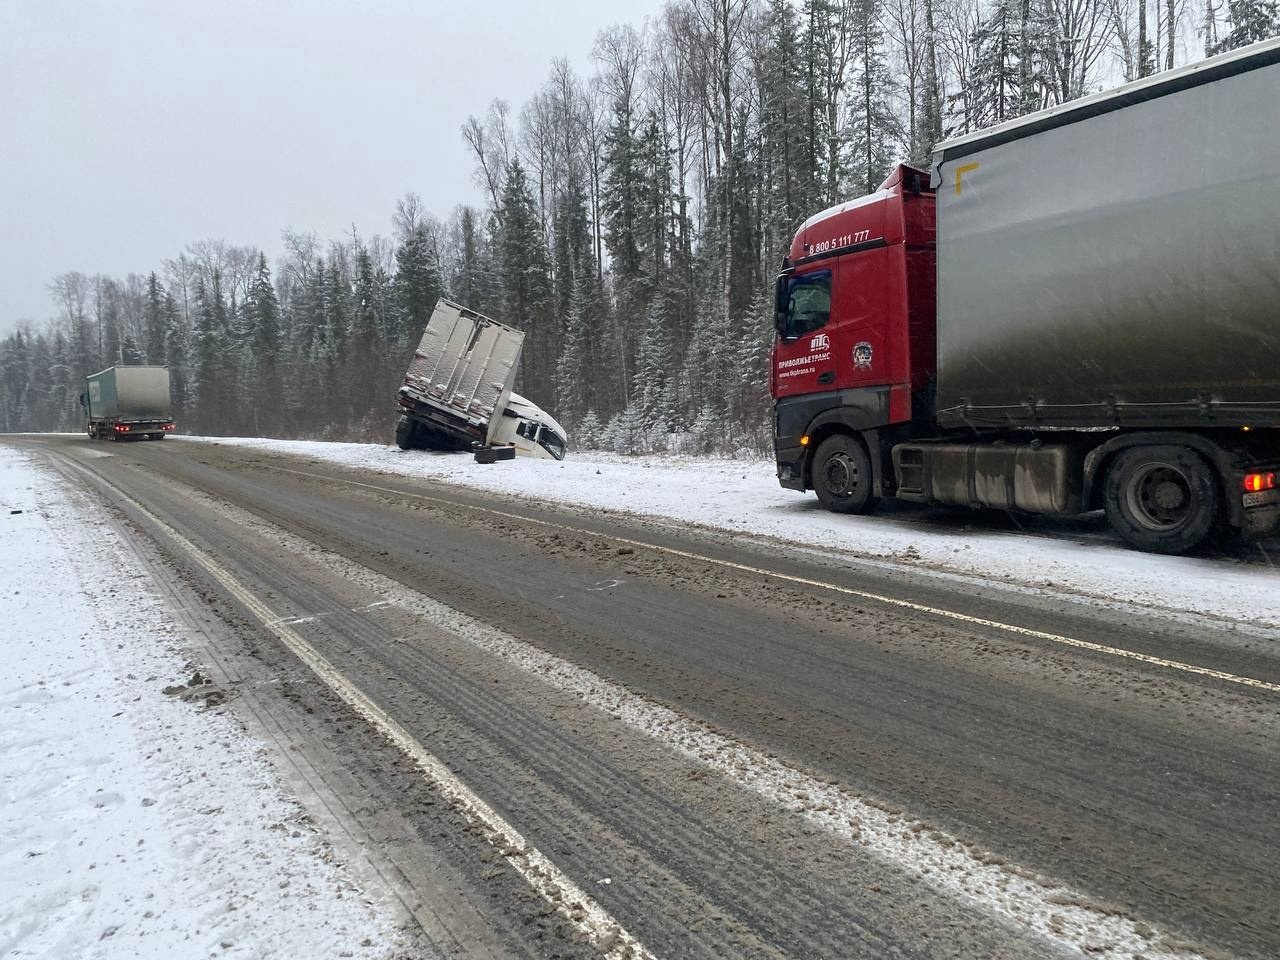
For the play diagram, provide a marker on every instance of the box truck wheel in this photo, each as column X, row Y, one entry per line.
column 406, row 433
column 842, row 475
column 1162, row 499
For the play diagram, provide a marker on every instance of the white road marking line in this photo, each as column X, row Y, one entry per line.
column 1023, row 900
column 568, row 899
column 836, row 588
column 313, row 618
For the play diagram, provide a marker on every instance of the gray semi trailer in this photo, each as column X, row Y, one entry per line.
column 1079, row 309
column 126, row 402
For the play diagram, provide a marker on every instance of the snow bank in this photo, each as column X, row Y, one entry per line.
column 744, row 496
column 136, row 825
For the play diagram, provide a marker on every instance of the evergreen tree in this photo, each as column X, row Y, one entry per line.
column 622, row 195
column 333, row 348
column 262, row 383
column 153, row 323
column 417, row 286
column 527, row 294
column 175, row 349
column 364, row 349
column 209, row 347
column 1251, row 21
column 55, row 391
column 15, row 365
column 310, row 351
column 784, row 184
column 652, row 213
column 576, row 366
column 995, row 94
column 929, row 120
column 873, row 122
column 588, row 434
column 129, row 352
column 107, row 310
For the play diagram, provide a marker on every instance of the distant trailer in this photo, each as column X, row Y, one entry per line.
column 124, row 402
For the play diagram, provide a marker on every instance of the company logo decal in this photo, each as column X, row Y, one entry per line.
column 862, row 355
column 819, row 351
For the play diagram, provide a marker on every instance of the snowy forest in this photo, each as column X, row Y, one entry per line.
column 632, row 222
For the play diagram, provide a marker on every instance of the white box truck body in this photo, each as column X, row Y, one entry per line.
column 456, row 394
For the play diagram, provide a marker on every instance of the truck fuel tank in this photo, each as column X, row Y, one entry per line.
column 1031, row 477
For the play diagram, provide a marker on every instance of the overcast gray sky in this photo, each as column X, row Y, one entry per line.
column 131, row 127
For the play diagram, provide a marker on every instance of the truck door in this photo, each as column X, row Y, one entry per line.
column 803, row 361
column 859, row 310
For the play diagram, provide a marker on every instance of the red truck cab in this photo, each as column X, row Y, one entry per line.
column 856, row 344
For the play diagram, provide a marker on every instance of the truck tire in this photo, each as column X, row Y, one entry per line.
column 1162, row 499
column 842, row 475
column 406, row 434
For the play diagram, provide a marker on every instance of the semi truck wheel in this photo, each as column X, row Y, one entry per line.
column 406, row 434
column 842, row 475
column 1162, row 499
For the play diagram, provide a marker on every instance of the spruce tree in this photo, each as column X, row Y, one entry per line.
column 208, row 351
column 873, row 123
column 364, row 354
column 175, row 349
column 527, row 294
column 417, row 286
column 622, row 195
column 782, row 142
column 995, row 93
column 1251, row 21
column 653, row 370
column 263, row 385
column 129, row 352
column 15, row 364
column 153, row 322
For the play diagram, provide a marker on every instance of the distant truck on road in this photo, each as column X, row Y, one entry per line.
column 457, row 394
column 125, row 402
column 1078, row 310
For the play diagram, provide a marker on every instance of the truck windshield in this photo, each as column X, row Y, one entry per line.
column 808, row 304
column 552, row 442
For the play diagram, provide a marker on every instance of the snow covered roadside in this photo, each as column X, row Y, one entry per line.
column 136, row 824
column 744, row 496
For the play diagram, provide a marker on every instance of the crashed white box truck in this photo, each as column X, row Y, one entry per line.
column 457, row 393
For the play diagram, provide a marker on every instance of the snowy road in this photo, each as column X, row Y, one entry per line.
column 561, row 731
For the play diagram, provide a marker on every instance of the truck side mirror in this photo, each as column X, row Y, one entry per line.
column 780, row 302
column 82, row 403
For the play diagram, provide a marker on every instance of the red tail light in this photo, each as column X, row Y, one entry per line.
column 1257, row 482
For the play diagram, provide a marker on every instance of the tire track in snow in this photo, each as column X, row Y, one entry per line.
column 561, row 892
column 1018, row 897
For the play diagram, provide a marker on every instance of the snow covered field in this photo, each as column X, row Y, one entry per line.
column 136, row 824
column 744, row 496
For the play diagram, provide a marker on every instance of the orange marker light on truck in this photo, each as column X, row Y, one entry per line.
column 804, row 441
column 1257, row 482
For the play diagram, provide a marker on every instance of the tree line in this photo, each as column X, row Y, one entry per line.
column 632, row 223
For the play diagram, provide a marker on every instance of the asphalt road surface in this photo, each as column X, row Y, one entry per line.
column 559, row 733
